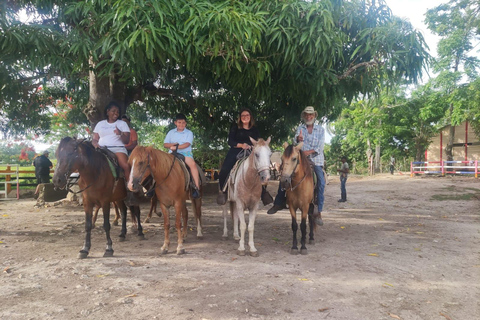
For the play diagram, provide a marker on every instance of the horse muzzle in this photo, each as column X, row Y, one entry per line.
column 285, row 182
column 134, row 185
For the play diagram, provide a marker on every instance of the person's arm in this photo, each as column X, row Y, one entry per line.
column 134, row 140
column 95, row 139
column 318, row 148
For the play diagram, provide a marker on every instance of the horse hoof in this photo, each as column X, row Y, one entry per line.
column 294, row 251
column 236, row 238
column 163, row 252
column 241, row 252
column 141, row 236
column 108, row 254
column 303, row 251
column 224, row 238
column 146, row 221
column 254, row 254
column 180, row 252
column 82, row 255
column 115, row 223
column 200, row 237
column 121, row 238
column 311, row 241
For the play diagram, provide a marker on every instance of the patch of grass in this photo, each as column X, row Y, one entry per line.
column 460, row 197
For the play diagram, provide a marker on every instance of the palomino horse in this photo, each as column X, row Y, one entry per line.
column 297, row 179
column 97, row 184
column 244, row 192
column 171, row 190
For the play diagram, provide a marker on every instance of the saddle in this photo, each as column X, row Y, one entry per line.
column 189, row 183
column 234, row 171
column 112, row 163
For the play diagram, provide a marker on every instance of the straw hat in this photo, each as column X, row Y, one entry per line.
column 308, row 110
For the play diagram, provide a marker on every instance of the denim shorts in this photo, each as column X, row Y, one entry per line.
column 186, row 153
column 117, row 149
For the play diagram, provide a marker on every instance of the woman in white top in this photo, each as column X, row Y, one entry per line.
column 113, row 134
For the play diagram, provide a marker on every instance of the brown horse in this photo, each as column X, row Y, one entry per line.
column 297, row 179
column 98, row 186
column 171, row 190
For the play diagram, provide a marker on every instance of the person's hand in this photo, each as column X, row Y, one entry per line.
column 95, row 144
column 117, row 131
column 246, row 146
column 300, row 137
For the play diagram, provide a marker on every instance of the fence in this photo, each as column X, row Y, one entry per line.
column 8, row 173
column 444, row 167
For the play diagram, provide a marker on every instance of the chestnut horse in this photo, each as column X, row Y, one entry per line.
column 244, row 192
column 171, row 190
column 297, row 179
column 97, row 184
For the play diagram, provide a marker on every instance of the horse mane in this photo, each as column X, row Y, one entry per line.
column 303, row 159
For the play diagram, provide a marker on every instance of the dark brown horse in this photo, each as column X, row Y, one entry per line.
column 98, row 186
column 297, row 180
column 171, row 190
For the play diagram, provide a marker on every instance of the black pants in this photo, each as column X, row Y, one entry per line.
column 227, row 166
column 43, row 179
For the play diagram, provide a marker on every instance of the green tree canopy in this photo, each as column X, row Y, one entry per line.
column 205, row 58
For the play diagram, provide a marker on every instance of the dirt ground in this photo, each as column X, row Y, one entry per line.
column 400, row 248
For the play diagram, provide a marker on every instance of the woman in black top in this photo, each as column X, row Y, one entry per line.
column 238, row 140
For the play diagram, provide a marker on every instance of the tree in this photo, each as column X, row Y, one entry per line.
column 205, row 58
column 457, row 23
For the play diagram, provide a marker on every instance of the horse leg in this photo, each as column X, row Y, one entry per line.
column 179, row 209
column 225, row 217
column 197, row 211
column 94, row 218
column 117, row 215
column 303, row 228
column 251, row 226
column 235, row 217
column 153, row 208
column 106, row 226
column 311, row 224
column 166, row 227
column 88, row 207
column 294, row 249
column 240, row 215
column 136, row 212
column 123, row 210
column 185, row 222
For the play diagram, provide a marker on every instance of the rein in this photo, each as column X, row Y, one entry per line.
column 150, row 168
column 293, row 174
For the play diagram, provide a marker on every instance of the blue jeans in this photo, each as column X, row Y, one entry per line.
column 281, row 195
column 343, row 189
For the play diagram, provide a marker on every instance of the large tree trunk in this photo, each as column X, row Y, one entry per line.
column 103, row 89
column 451, row 138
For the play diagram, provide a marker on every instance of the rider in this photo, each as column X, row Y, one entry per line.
column 238, row 140
column 313, row 137
column 113, row 134
column 181, row 139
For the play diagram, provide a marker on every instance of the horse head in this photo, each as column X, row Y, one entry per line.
column 291, row 158
column 139, row 161
column 261, row 156
column 67, row 160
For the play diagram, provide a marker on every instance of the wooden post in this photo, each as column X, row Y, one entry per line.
column 8, row 186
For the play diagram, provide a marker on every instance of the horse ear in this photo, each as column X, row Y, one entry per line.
column 299, row 146
column 253, row 141
column 268, row 140
column 285, row 145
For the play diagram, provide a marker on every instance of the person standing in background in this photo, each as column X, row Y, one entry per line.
column 344, row 170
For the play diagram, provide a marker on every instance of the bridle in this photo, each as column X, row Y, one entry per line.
column 293, row 175
column 151, row 175
column 68, row 185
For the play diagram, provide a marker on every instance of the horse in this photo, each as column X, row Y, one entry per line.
column 171, row 190
column 98, row 186
column 244, row 192
column 297, row 179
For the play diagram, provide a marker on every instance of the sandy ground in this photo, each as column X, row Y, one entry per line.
column 400, row 248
